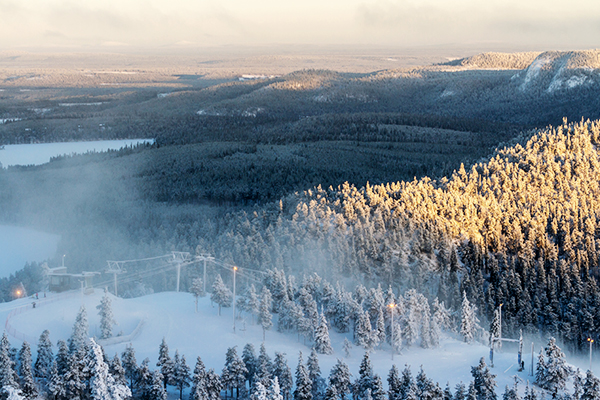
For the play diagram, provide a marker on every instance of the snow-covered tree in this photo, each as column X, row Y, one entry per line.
column 198, row 390
column 468, row 320
column 591, row 387
column 28, row 386
column 56, row 384
column 259, row 392
column 557, row 370
column 274, row 392
column 393, row 383
column 117, row 371
column 249, row 359
column 264, row 313
column 495, row 329
column 8, row 375
column 102, row 384
column 365, row 378
column 164, row 362
column 181, row 373
column 234, row 372
column 340, row 378
column 362, row 331
column 314, row 373
column 62, row 357
column 264, row 367
column 347, row 347
column 74, row 377
column 378, row 392
column 197, row 290
column 107, row 319
column 130, row 365
column 283, row 373
column 322, row 341
column 541, row 371
column 144, row 380
column 484, row 381
column 79, row 336
column 221, row 293
column 156, row 390
column 45, row 357
column 303, row 383
column 213, row 385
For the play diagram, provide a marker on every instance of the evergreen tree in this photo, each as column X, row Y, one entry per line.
column 249, row 359
column 362, row 331
column 144, row 380
column 264, row 314
column 56, row 384
column 157, row 390
column 253, row 302
column 213, row 385
column 448, row 392
column 347, row 347
column 45, row 357
column 283, row 373
column 425, row 386
column 198, row 390
column 197, row 290
column 331, row 393
column 322, row 341
column 130, row 365
column 314, row 374
column 74, row 378
column 102, row 384
column 340, row 378
column 8, row 375
column 460, row 391
column 365, row 378
column 221, row 293
column 28, row 386
column 393, row 383
column 264, row 366
column 511, row 393
column 557, row 370
column 303, row 383
column 117, row 371
column 62, row 357
column 164, row 362
column 469, row 321
column 181, row 373
column 107, row 319
column 274, row 392
column 406, row 382
column 78, row 339
column 378, row 392
column 541, row 371
column 530, row 393
column 483, row 381
column 591, row 387
column 259, row 392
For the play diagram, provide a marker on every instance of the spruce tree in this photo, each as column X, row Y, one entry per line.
column 117, row 371
column 56, row 384
column 469, row 321
column 484, row 381
column 157, row 391
column 164, row 362
column 213, row 385
column 181, row 374
column 144, row 380
column 197, row 290
column 221, row 293
column 8, row 375
column 102, row 384
column 264, row 314
column 28, row 386
column 62, row 357
column 130, row 365
column 249, row 359
column 365, row 378
column 199, row 383
column 107, row 319
column 283, row 373
column 393, row 383
column 274, row 392
column 314, row 374
column 362, row 331
column 303, row 383
column 79, row 336
column 340, row 378
column 557, row 370
column 591, row 387
column 322, row 341
column 45, row 357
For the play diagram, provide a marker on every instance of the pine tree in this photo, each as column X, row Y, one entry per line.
column 460, row 391
column 591, row 387
column 62, row 357
column 117, row 371
column 331, row 393
column 197, row 290
column 28, row 386
column 259, row 392
column 362, row 331
column 469, row 321
column 393, row 383
column 144, row 380
column 107, row 319
column 314, row 374
column 130, row 365
column 378, row 392
column 347, row 347
column 322, row 341
column 221, row 293
column 264, row 314
column 157, row 391
column 253, row 302
column 448, row 392
column 379, row 329
column 181, row 373
column 102, row 384
column 484, row 381
column 511, row 393
column 8, row 375
column 213, row 385
column 164, row 362
column 274, row 392
column 249, row 359
column 303, row 383
column 45, row 357
column 283, row 373
column 264, row 366
column 198, row 390
column 541, row 371
column 74, row 378
column 557, row 370
column 530, row 393
column 495, row 329
column 425, row 386
column 78, row 339
column 340, row 378
column 56, row 384
column 365, row 378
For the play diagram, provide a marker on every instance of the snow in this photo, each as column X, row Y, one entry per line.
column 21, row 245
column 5, row 120
column 171, row 315
column 99, row 103
column 534, row 70
column 36, row 154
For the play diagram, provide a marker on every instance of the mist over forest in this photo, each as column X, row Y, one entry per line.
column 475, row 176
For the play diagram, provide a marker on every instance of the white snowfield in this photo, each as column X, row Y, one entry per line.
column 171, row 315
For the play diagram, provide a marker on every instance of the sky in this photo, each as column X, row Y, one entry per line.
column 156, row 24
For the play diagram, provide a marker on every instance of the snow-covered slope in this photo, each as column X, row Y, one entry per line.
column 561, row 70
column 171, row 315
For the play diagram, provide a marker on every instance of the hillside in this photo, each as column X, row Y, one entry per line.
column 496, row 60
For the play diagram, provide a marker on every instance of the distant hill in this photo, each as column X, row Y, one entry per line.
column 496, row 60
column 552, row 71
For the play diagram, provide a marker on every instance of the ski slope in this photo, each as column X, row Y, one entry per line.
column 171, row 315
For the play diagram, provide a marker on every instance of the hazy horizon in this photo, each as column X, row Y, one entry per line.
column 178, row 25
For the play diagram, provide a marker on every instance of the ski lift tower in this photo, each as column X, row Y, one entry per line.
column 205, row 258
column 115, row 268
column 180, row 258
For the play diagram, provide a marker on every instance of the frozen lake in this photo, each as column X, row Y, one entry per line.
column 21, row 245
column 36, row 154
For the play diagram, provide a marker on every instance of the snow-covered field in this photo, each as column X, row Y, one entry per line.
column 36, row 154
column 21, row 245
column 171, row 315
